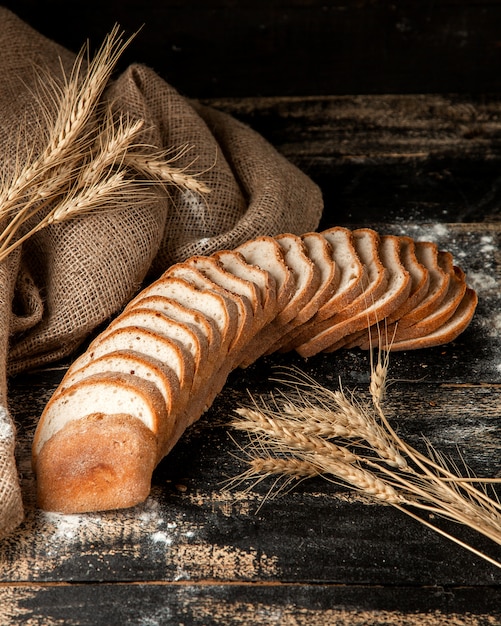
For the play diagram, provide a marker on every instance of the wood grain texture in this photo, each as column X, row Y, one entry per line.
column 293, row 47
column 249, row 605
column 383, row 158
column 192, row 529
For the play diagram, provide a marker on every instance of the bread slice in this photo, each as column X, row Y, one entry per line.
column 448, row 331
column 147, row 342
column 131, row 363
column 319, row 252
column 239, row 307
column 331, row 337
column 266, row 253
column 368, row 248
column 246, row 289
column 204, row 326
column 160, row 324
column 419, row 275
column 306, row 275
column 234, row 263
column 107, row 393
column 307, row 279
column 211, row 305
column 352, row 274
column 441, row 273
column 436, row 319
column 420, row 281
column 214, row 270
column 440, row 267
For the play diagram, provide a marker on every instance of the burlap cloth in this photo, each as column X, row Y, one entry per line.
column 70, row 277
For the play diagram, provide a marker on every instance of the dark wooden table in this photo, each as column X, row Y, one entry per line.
column 197, row 553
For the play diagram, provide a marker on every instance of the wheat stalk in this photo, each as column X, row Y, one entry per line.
column 310, row 430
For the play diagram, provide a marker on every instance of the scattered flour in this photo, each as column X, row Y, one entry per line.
column 147, row 521
column 151, row 519
column 150, row 513
column 68, row 527
column 6, row 427
column 440, row 230
column 487, row 244
column 194, row 210
column 481, row 282
column 161, row 537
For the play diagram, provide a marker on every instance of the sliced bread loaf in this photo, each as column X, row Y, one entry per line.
column 162, row 361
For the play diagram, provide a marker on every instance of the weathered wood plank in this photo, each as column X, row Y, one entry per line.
column 192, row 529
column 305, row 47
column 386, row 158
column 298, row 605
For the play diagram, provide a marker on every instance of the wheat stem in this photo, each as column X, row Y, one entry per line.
column 447, row 535
column 91, row 159
column 429, row 467
column 278, row 429
column 113, row 143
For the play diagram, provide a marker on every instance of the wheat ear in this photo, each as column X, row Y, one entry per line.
column 160, row 166
column 339, row 438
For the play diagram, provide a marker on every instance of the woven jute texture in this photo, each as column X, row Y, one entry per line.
column 72, row 276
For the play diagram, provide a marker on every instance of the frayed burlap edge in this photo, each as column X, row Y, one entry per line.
column 11, row 511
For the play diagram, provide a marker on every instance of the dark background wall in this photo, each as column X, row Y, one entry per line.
column 218, row 48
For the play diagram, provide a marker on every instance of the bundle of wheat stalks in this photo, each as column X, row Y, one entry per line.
column 92, row 158
column 311, row 430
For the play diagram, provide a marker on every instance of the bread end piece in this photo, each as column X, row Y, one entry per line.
column 100, row 462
